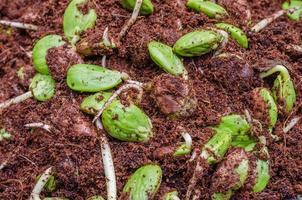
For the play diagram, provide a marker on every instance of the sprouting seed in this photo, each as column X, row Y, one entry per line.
column 283, row 88
column 147, row 7
column 164, row 57
column 40, row 51
column 186, row 147
column 35, row 194
column 92, row 78
column 4, row 135
column 19, row 25
column 236, row 33
column 42, row 88
column 209, row 8
column 262, row 175
column 293, row 4
column 75, row 22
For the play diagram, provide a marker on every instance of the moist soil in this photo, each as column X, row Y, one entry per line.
column 221, row 86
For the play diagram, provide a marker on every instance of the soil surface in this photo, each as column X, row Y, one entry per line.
column 221, row 86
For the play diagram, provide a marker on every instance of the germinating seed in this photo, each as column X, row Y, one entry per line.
column 93, row 103
column 293, row 4
column 197, row 43
column 262, row 177
column 40, row 51
column 92, row 78
column 209, row 8
column 42, row 87
column 143, row 183
column 147, row 7
column 236, row 33
column 75, row 22
column 164, row 57
column 127, row 123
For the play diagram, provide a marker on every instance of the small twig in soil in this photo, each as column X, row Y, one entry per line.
column 16, row 100
column 41, row 125
column 132, row 19
column 3, row 164
column 108, row 164
column 291, row 124
column 35, row 194
column 19, row 25
column 117, row 93
column 24, row 157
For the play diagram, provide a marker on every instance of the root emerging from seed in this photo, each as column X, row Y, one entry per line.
column 41, row 125
column 16, row 100
column 19, row 25
column 35, row 194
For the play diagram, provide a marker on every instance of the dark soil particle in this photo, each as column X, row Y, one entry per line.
column 221, row 85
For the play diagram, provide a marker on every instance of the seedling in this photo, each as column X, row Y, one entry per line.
column 42, row 88
column 75, row 22
column 35, row 194
column 143, row 183
column 186, row 147
column 40, row 51
column 209, row 8
column 283, row 89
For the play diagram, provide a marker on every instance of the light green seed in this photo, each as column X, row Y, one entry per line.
column 173, row 195
column 127, row 123
column 164, row 57
column 236, row 124
column 147, row 7
column 93, row 103
column 263, row 176
column 75, row 22
column 236, row 33
column 182, row 150
column 143, row 183
column 40, row 51
column 42, row 87
column 293, row 4
column 209, row 8
column 197, row 43
column 92, row 78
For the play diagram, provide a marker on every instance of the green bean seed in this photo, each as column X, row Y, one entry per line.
column 143, row 183
column 93, row 103
column 263, row 176
column 147, row 7
column 40, row 51
column 42, row 87
column 164, row 57
column 209, row 8
column 75, row 22
column 197, row 43
column 293, row 4
column 127, row 123
column 236, row 33
column 92, row 78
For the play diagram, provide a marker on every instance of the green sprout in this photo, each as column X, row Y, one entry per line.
column 74, row 22
column 147, row 7
column 209, row 8
column 293, row 4
column 283, row 88
column 143, row 183
column 186, row 147
column 4, row 135
column 42, row 88
column 40, row 51
column 236, row 33
column 164, row 57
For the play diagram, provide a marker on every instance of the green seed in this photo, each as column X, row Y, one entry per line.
column 143, row 183
column 182, row 150
column 96, row 198
column 50, row 185
column 42, row 87
column 236, row 33
column 146, row 8
column 127, row 123
column 263, row 176
column 197, row 43
column 293, row 4
column 283, row 88
column 173, row 195
column 92, row 78
column 75, row 22
column 93, row 103
column 164, row 57
column 236, row 124
column 209, row 8
column 40, row 51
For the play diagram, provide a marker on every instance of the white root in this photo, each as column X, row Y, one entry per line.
column 104, row 61
column 16, row 100
column 19, row 25
column 108, row 165
column 35, row 194
column 291, row 124
column 3, row 164
column 188, row 139
column 132, row 19
column 116, row 94
column 41, row 125
column 265, row 22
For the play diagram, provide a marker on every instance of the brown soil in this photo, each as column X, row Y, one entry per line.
column 221, row 86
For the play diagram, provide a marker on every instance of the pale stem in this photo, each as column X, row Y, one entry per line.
column 35, row 194
column 132, row 19
column 188, row 139
column 278, row 68
column 108, row 165
column 16, row 100
column 19, row 25
column 41, row 125
column 291, row 124
column 104, row 61
column 116, row 94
